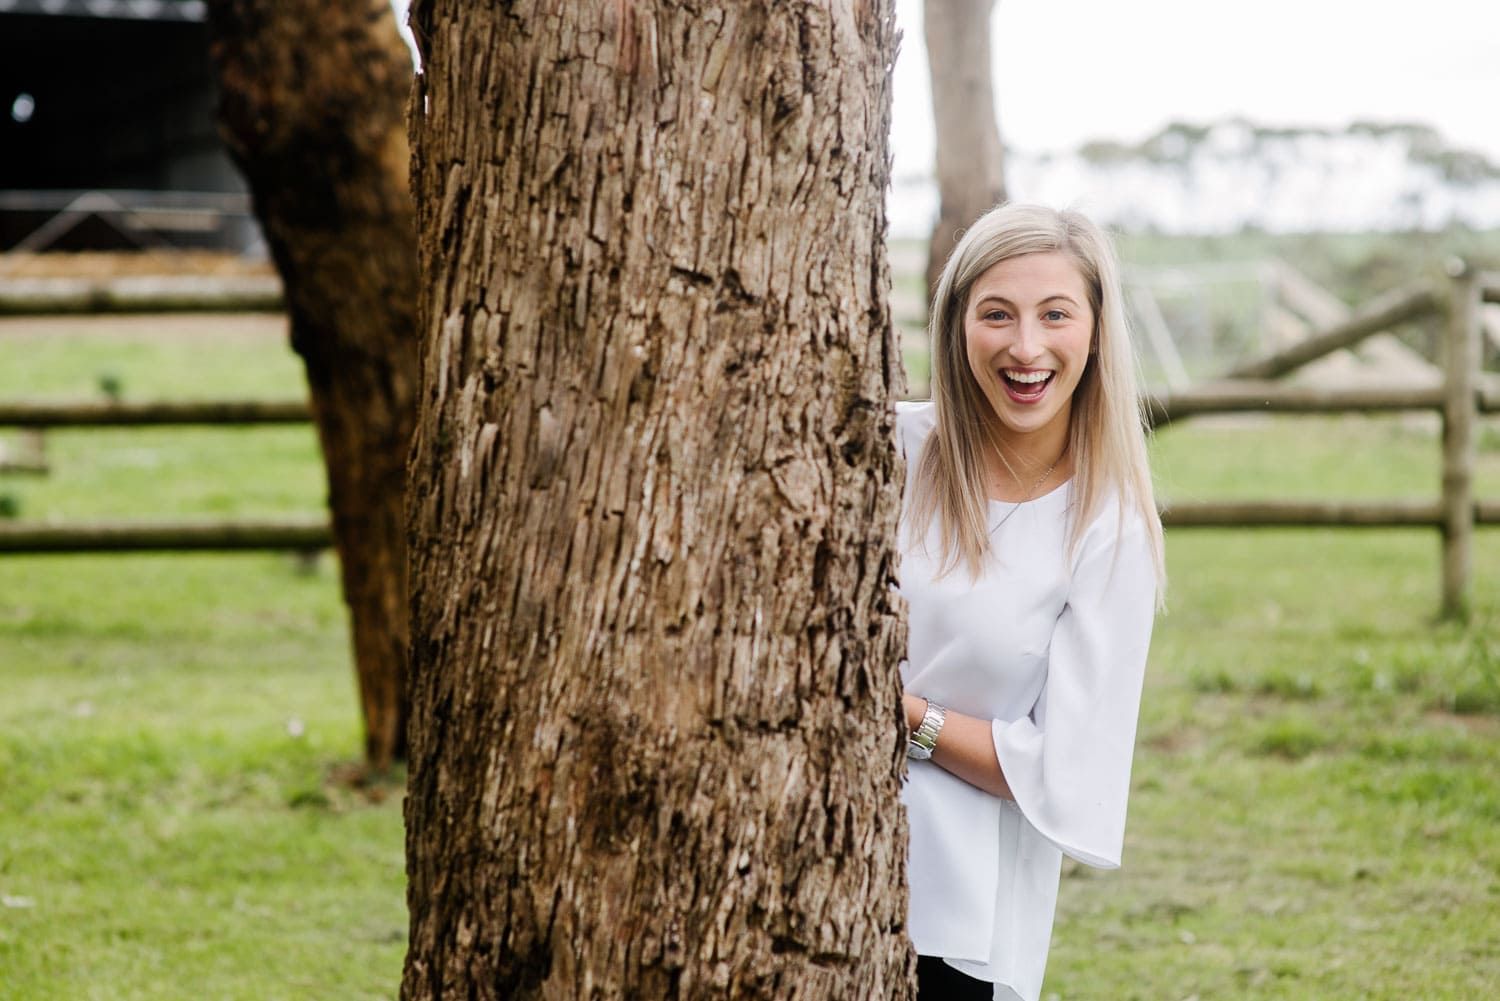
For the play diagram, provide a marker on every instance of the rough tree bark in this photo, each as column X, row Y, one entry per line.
column 313, row 103
column 970, row 159
column 655, row 736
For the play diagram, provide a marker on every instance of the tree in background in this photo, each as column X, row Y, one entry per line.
column 312, row 105
column 970, row 159
column 655, row 737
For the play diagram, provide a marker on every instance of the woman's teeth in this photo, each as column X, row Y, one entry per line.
column 1025, row 387
column 1025, row 377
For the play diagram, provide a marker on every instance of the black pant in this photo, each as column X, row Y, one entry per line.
column 937, row 981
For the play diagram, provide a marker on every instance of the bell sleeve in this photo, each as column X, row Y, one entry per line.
column 1068, row 762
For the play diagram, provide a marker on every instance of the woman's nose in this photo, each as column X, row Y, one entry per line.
column 1027, row 346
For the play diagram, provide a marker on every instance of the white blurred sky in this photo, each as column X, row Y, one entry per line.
column 1066, row 71
column 1071, row 70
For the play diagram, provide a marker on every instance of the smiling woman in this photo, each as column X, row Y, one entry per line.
column 1024, row 674
column 991, row 432
column 1028, row 332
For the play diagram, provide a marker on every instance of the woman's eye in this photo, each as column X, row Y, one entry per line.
column 996, row 315
column 1055, row 315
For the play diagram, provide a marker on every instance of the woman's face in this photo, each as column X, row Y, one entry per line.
column 1027, row 330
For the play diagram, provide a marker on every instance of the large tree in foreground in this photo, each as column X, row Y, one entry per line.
column 312, row 103
column 655, row 737
column 970, row 160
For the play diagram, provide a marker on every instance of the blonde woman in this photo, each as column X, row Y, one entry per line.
column 1032, row 567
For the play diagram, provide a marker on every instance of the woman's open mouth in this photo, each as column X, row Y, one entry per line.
column 1026, row 385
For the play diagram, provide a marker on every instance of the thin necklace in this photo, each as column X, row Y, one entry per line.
column 1034, row 487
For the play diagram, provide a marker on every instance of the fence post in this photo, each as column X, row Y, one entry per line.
column 1460, row 422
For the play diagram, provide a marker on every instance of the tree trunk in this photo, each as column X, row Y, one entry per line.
column 970, row 159
column 656, row 730
column 313, row 100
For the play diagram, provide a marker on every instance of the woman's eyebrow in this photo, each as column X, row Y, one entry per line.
column 997, row 297
column 993, row 296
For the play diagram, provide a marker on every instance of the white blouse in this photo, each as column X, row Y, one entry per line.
column 1053, row 650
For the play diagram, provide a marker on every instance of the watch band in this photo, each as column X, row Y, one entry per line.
column 924, row 738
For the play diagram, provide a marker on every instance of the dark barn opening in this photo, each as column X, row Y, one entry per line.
column 108, row 136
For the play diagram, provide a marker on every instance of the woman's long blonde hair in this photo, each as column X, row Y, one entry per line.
column 1107, row 432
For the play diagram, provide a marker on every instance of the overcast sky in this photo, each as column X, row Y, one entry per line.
column 1070, row 70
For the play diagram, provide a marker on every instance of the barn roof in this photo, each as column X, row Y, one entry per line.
column 126, row 10
column 107, row 107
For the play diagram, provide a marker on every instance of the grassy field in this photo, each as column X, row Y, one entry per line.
column 172, row 727
column 1317, row 787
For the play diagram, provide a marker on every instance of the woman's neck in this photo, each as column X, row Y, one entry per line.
column 1020, row 466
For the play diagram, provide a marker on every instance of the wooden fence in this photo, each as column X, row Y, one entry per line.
column 141, row 294
column 1461, row 401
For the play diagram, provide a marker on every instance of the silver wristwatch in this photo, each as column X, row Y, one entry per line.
column 924, row 737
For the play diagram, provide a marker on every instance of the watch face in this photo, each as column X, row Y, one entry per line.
column 917, row 752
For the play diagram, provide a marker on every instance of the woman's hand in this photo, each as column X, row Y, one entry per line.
column 916, row 708
column 965, row 747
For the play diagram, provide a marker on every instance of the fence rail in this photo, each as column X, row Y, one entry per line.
column 47, row 414
column 141, row 294
column 1161, row 408
column 1272, row 397
column 1319, row 514
column 1489, row 282
column 291, row 532
column 1385, row 312
column 1462, row 399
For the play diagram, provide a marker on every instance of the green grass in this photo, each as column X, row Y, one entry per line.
column 148, row 357
column 101, row 473
column 1315, row 800
column 173, row 731
column 169, row 822
column 1311, row 817
column 1309, row 457
column 97, row 473
column 1315, row 783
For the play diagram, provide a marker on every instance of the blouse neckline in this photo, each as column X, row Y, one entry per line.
column 1059, row 489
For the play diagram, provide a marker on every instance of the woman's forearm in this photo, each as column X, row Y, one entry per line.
column 965, row 747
